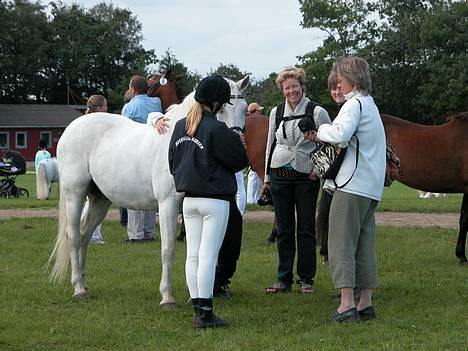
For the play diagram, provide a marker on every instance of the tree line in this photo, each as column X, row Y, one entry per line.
column 417, row 52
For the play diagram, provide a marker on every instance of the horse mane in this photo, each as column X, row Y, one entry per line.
column 179, row 111
column 459, row 115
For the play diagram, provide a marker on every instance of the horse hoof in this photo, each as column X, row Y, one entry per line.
column 81, row 295
column 463, row 263
column 168, row 306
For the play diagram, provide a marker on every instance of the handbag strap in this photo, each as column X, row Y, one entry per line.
column 355, row 167
column 357, row 152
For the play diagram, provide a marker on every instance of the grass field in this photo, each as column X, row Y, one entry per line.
column 397, row 198
column 421, row 303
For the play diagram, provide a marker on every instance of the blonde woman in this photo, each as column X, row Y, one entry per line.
column 293, row 187
column 204, row 156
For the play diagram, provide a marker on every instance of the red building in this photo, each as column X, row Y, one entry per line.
column 22, row 126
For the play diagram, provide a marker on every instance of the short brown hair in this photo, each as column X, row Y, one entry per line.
column 332, row 80
column 290, row 72
column 356, row 70
column 139, row 84
column 94, row 102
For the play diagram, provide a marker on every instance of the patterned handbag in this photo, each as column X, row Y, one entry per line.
column 328, row 159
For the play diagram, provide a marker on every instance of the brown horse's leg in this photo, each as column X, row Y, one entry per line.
column 274, row 233
column 461, row 242
column 322, row 223
column 182, row 232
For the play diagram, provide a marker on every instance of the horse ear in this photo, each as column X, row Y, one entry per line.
column 243, row 83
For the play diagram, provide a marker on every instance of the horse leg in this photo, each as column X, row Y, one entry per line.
column 93, row 214
column 182, row 232
column 74, row 205
column 168, row 211
column 323, row 216
column 461, row 242
column 274, row 233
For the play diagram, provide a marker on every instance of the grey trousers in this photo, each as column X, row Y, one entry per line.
column 141, row 224
column 351, row 241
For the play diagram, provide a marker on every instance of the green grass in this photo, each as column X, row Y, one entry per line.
column 398, row 198
column 28, row 181
column 421, row 302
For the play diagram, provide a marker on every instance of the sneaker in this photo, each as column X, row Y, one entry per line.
column 279, row 287
column 98, row 242
column 306, row 287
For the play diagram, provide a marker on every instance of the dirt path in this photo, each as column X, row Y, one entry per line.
column 444, row 220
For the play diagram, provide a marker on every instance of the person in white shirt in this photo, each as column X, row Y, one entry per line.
column 351, row 241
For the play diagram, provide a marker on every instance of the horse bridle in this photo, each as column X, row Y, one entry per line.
column 157, row 83
column 237, row 96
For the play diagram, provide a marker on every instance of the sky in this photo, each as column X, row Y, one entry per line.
column 257, row 36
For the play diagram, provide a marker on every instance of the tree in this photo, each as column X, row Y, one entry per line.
column 90, row 51
column 103, row 47
column 420, row 63
column 23, row 51
column 190, row 80
column 416, row 49
column 230, row 71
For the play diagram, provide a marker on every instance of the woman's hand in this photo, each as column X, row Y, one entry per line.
column 311, row 135
column 161, row 125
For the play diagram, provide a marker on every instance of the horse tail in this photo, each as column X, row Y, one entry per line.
column 322, row 222
column 42, row 186
column 61, row 252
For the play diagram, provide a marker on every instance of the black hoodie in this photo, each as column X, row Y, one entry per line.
column 205, row 165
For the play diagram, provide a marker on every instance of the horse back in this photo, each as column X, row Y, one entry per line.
column 433, row 158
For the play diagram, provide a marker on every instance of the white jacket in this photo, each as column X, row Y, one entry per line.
column 368, row 179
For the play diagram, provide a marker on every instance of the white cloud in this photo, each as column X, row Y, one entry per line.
column 258, row 36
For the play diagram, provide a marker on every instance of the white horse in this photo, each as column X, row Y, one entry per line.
column 46, row 174
column 112, row 159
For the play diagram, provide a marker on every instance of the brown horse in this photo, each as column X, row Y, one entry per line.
column 165, row 87
column 433, row 158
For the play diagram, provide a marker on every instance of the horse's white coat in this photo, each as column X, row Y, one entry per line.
column 112, row 159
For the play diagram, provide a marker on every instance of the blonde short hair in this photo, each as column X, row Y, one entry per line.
column 356, row 70
column 290, row 72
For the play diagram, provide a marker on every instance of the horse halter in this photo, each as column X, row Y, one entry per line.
column 238, row 96
column 162, row 81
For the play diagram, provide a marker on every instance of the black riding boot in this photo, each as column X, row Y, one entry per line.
column 196, row 309
column 206, row 317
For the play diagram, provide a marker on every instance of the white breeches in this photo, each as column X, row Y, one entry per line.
column 254, row 185
column 241, row 197
column 205, row 223
column 97, row 234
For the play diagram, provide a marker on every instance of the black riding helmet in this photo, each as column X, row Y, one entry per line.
column 213, row 89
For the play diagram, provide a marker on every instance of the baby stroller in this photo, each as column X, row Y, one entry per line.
column 12, row 164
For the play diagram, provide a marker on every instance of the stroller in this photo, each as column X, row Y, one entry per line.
column 12, row 164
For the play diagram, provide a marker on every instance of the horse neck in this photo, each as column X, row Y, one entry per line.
column 179, row 111
column 168, row 95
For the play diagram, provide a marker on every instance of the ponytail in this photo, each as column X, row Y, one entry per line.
column 194, row 117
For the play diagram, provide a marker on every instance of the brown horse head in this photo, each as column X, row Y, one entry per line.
column 164, row 86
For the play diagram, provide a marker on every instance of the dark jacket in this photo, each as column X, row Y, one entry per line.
column 204, row 166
